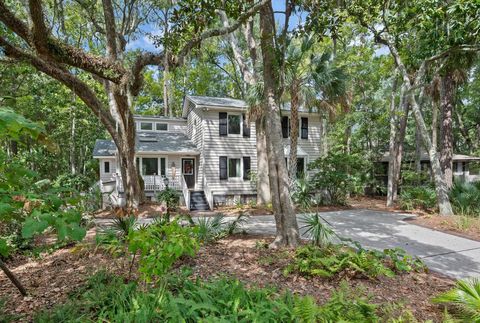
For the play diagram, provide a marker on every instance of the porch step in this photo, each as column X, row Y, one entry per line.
column 198, row 201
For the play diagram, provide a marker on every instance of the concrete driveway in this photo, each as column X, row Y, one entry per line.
column 445, row 253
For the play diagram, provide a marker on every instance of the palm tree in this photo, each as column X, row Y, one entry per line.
column 311, row 80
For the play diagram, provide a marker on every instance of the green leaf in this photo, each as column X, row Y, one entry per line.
column 33, row 226
column 4, row 248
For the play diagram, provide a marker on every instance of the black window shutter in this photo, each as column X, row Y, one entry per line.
column 246, row 127
column 246, row 168
column 285, row 127
column 223, row 167
column 304, row 128
column 222, row 117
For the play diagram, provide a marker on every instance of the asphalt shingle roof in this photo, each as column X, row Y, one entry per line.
column 150, row 142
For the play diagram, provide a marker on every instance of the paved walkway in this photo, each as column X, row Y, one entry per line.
column 448, row 254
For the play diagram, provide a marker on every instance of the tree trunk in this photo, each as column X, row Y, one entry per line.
column 166, row 106
column 435, row 124
column 392, row 146
column 418, row 150
column 441, row 187
column 294, row 102
column 285, row 220
column 324, row 138
column 73, row 168
column 13, row 278
column 263, row 184
column 447, row 101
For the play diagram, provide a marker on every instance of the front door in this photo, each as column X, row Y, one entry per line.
column 188, row 171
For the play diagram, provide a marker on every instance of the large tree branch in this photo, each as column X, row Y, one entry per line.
column 71, row 81
column 219, row 31
column 143, row 60
column 64, row 53
column 40, row 32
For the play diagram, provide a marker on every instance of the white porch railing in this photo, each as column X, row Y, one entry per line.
column 154, row 183
column 185, row 191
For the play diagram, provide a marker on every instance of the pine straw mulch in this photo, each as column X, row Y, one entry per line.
column 240, row 256
column 459, row 225
column 52, row 278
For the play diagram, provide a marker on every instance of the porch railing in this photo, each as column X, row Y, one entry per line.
column 154, row 183
column 185, row 191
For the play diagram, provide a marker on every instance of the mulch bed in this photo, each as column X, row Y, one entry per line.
column 52, row 278
column 240, row 256
column 450, row 224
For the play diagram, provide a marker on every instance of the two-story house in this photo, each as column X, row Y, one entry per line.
column 209, row 154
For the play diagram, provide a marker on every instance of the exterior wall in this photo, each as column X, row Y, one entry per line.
column 232, row 146
column 195, row 131
column 105, row 177
column 312, row 145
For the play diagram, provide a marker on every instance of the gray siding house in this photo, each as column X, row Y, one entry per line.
column 209, row 154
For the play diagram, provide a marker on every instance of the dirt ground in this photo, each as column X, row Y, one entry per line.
column 51, row 278
column 462, row 226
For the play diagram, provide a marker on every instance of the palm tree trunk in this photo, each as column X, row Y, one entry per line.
column 294, row 102
column 447, row 98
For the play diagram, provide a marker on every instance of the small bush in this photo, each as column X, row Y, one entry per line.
column 420, row 197
column 303, row 191
column 338, row 174
column 77, row 182
column 160, row 246
column 465, row 198
column 317, row 230
column 465, row 298
column 210, row 229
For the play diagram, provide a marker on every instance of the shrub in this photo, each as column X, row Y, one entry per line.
column 302, row 194
column 338, row 174
column 465, row 298
column 465, row 198
column 160, row 246
column 214, row 228
column 317, row 230
column 171, row 198
column 77, row 182
column 420, row 197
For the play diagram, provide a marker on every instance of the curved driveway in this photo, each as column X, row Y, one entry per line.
column 445, row 253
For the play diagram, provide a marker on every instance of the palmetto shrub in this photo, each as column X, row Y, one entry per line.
column 418, row 197
column 465, row 298
column 317, row 230
column 465, row 198
column 210, row 229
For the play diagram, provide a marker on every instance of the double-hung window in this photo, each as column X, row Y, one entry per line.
column 234, row 168
column 230, row 124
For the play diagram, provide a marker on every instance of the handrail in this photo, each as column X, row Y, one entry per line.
column 208, row 193
column 185, row 191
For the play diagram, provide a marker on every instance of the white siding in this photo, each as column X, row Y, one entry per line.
column 113, row 168
column 312, row 145
column 232, row 146
column 195, row 131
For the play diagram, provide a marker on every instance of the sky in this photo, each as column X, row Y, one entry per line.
column 145, row 42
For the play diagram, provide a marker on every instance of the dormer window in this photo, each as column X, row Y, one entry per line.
column 146, row 126
column 162, row 126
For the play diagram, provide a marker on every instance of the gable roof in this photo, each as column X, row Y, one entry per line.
column 150, row 142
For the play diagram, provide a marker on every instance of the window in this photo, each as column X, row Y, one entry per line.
column 162, row 126
column 146, row 126
column 234, row 124
column 300, row 167
column 163, row 167
column 246, row 168
column 149, row 166
column 246, row 127
column 106, row 167
column 286, row 127
column 304, row 129
column 233, row 167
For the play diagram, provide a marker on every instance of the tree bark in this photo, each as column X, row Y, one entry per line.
column 392, row 146
column 13, row 278
column 285, row 220
column 447, row 102
column 73, row 168
column 435, row 124
column 294, row 103
column 263, row 184
column 418, row 150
